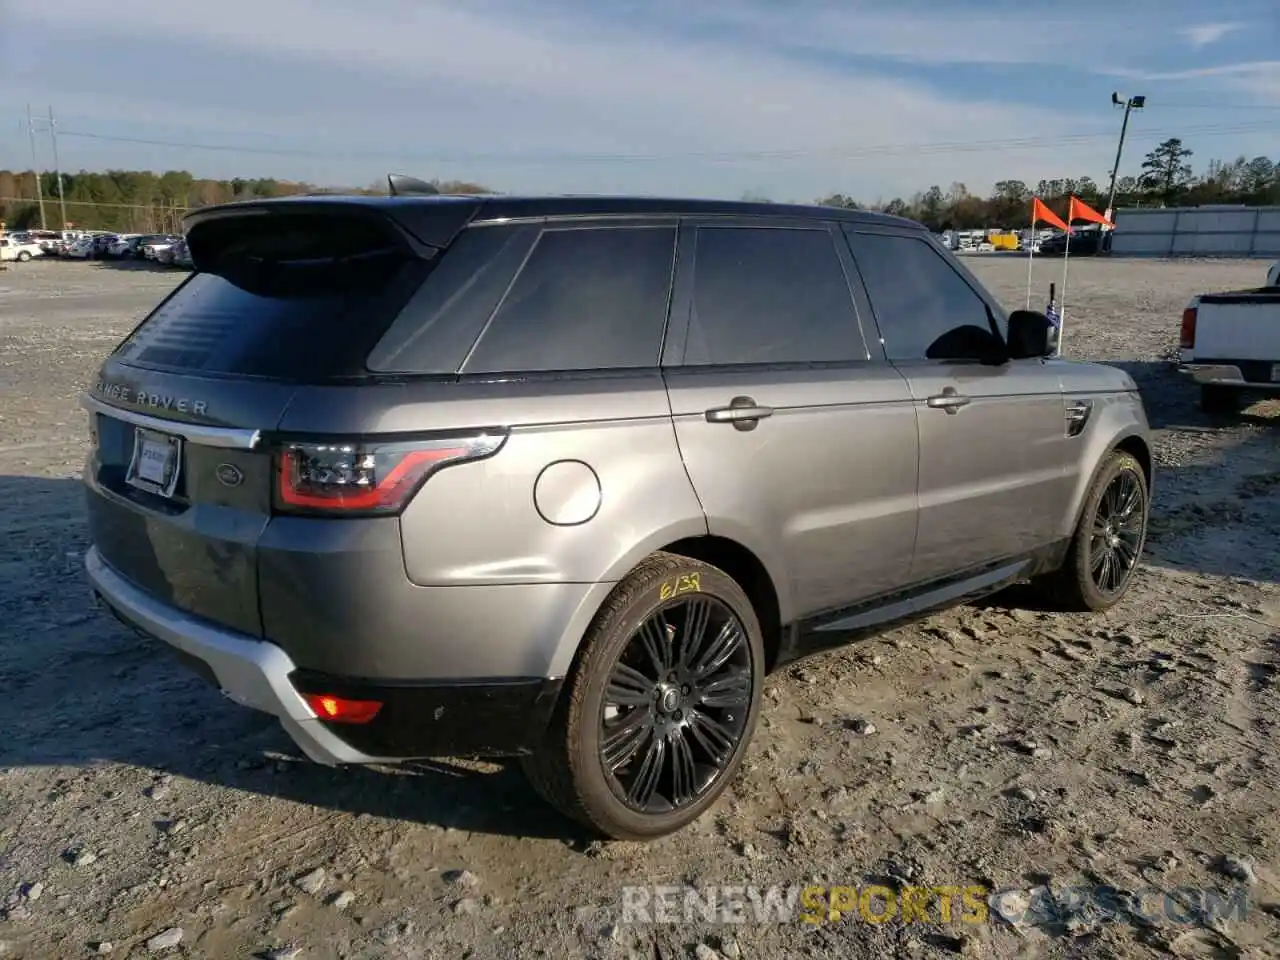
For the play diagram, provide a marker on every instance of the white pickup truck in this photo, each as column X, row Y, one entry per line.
column 1230, row 344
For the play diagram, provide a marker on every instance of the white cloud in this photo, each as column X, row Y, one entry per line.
column 1256, row 69
column 947, row 34
column 1203, row 34
column 1256, row 81
column 497, row 79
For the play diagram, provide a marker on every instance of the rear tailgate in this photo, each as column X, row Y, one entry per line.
column 1238, row 326
column 179, row 479
column 189, row 541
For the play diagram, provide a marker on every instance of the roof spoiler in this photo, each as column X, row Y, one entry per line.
column 399, row 185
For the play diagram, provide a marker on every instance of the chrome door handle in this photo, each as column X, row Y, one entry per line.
column 949, row 400
column 743, row 412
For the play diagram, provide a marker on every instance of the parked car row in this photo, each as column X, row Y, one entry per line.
column 164, row 248
column 172, row 254
column 1083, row 242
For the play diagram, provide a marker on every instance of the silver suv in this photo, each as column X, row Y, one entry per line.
column 564, row 478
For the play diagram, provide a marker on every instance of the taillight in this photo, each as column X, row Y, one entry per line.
column 1187, row 336
column 368, row 477
column 340, row 709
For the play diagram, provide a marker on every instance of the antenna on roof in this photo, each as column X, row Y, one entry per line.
column 398, row 185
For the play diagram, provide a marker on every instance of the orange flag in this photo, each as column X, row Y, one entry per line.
column 1077, row 209
column 1041, row 213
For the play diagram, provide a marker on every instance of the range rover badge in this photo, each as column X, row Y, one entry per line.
column 229, row 475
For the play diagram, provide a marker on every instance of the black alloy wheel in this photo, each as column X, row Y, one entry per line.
column 1115, row 540
column 658, row 710
column 1107, row 544
column 675, row 706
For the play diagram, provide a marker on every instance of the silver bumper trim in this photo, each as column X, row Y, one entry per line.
column 1226, row 375
column 253, row 673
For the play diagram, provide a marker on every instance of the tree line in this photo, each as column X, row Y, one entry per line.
column 1167, row 178
column 141, row 201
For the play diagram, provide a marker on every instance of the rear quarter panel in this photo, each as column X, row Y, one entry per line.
column 481, row 523
column 482, row 584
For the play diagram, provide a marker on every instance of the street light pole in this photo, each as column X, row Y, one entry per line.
column 1130, row 103
column 35, row 167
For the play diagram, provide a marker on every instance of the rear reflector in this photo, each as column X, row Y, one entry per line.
column 341, row 710
column 1187, row 335
column 357, row 477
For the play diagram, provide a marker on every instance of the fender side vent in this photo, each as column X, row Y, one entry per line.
column 1077, row 414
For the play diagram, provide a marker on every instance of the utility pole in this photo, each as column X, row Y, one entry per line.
column 1130, row 103
column 57, row 167
column 35, row 167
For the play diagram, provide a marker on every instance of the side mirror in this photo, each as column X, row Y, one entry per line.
column 969, row 342
column 1031, row 334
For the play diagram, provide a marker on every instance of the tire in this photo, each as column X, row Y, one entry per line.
column 614, row 798
column 1076, row 586
column 1215, row 398
column 24, row 256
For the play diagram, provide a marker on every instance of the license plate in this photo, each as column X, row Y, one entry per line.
column 156, row 461
column 1275, row 372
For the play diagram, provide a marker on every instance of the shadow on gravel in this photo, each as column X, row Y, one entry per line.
column 77, row 688
column 1172, row 400
column 1220, row 518
column 145, row 266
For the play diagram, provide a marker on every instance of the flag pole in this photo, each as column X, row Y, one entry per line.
column 1066, row 259
column 1031, row 252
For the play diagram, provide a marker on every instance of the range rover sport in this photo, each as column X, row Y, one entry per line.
column 563, row 478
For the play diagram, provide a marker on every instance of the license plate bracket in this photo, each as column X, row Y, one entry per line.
column 156, row 462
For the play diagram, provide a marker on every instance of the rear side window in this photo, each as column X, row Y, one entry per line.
column 770, row 295
column 289, row 297
column 439, row 325
column 916, row 295
column 588, row 298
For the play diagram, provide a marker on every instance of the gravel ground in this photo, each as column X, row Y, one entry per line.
column 994, row 746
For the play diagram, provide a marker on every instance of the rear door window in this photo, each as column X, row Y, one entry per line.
column 438, row 326
column 587, row 298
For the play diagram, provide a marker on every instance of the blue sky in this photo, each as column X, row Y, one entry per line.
column 694, row 97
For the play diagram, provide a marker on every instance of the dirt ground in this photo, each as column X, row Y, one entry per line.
column 995, row 746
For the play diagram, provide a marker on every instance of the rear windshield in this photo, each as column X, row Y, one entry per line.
column 292, row 298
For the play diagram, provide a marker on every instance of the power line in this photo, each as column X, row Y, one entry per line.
column 161, row 205
column 954, row 146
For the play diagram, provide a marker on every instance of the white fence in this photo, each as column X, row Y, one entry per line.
column 1197, row 232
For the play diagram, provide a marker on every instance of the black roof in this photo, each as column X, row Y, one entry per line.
column 422, row 214
column 498, row 206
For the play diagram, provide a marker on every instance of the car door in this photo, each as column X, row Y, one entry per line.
column 994, row 464
column 799, row 440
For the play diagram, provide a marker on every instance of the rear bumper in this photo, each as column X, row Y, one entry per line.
column 419, row 718
column 1239, row 375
